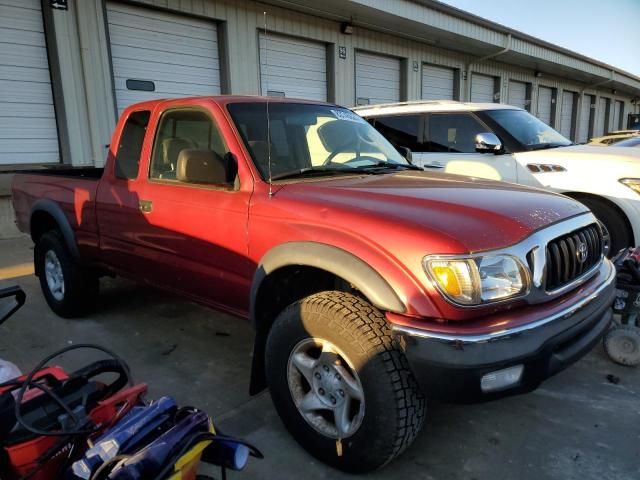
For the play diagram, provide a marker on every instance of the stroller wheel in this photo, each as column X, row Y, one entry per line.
column 622, row 344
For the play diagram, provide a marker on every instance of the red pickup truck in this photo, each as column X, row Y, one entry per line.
column 371, row 283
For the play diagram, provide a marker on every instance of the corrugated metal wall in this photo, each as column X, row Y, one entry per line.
column 240, row 22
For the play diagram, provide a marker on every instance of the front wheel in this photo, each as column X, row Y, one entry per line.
column 341, row 387
column 615, row 225
column 69, row 289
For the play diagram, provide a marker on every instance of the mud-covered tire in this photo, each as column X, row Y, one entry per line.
column 622, row 344
column 79, row 290
column 394, row 407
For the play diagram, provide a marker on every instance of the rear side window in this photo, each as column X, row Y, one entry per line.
column 128, row 156
column 454, row 132
column 402, row 131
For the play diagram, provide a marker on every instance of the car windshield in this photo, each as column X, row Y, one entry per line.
column 532, row 133
column 304, row 138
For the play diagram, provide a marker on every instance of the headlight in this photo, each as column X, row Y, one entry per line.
column 632, row 183
column 478, row 280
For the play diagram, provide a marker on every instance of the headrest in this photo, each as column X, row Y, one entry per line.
column 338, row 133
column 171, row 148
column 201, row 166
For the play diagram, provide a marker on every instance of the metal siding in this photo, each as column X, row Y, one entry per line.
column 482, row 88
column 517, row 94
column 178, row 54
column 28, row 131
column 585, row 114
column 566, row 115
column 438, row 83
column 377, row 78
column 296, row 67
column 545, row 105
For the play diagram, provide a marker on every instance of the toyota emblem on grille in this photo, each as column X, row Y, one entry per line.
column 582, row 253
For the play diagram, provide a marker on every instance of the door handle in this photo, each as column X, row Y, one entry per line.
column 145, row 206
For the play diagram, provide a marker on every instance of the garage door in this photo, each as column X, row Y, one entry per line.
column 159, row 55
column 566, row 113
column 28, row 131
column 438, row 83
column 618, row 108
column 377, row 79
column 517, row 94
column 545, row 104
column 600, row 127
column 585, row 118
column 293, row 67
column 482, row 88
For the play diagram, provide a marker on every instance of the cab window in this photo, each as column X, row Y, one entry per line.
column 181, row 130
column 402, row 131
column 130, row 147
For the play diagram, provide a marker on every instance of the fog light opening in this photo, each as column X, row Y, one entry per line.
column 501, row 379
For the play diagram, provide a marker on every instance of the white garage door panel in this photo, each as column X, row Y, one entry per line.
column 377, row 78
column 545, row 96
column 482, row 88
column 295, row 67
column 599, row 127
column 517, row 94
column 179, row 54
column 566, row 114
column 438, row 83
column 28, row 132
column 585, row 114
column 617, row 110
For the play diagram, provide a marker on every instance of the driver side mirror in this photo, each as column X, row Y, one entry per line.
column 406, row 153
column 488, row 142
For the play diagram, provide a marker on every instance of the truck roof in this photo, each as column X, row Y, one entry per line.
column 223, row 100
column 420, row 106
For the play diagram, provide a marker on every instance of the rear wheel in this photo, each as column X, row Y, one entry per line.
column 341, row 387
column 620, row 235
column 69, row 289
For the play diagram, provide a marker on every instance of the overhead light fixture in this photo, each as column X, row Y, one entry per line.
column 346, row 28
column 537, row 74
column 614, row 91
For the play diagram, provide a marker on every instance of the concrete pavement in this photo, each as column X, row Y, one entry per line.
column 579, row 425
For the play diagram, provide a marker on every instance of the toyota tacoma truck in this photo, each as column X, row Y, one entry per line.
column 372, row 285
column 501, row 142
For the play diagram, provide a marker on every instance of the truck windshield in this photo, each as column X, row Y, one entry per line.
column 532, row 133
column 311, row 139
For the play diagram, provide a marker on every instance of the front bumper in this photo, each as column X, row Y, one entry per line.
column 450, row 367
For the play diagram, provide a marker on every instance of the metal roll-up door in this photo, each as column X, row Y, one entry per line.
column 293, row 67
column 585, row 118
column 377, row 79
column 157, row 54
column 482, row 88
column 618, row 108
column 599, row 126
column 545, row 104
column 28, row 131
column 438, row 83
column 566, row 113
column 517, row 94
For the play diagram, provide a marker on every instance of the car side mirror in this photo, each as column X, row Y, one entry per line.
column 488, row 142
column 406, row 153
column 202, row 167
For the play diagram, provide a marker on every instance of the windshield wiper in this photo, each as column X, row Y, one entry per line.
column 382, row 165
column 545, row 146
column 311, row 171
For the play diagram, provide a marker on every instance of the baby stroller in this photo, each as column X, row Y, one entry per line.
column 622, row 342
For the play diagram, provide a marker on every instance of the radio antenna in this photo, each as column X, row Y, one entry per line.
column 266, row 62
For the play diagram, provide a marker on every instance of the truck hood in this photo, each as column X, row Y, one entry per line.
column 467, row 212
column 582, row 153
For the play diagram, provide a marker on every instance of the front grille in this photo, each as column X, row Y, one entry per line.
column 564, row 255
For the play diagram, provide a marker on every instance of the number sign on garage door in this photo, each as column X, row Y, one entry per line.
column 159, row 54
column 545, row 104
column 293, row 67
column 567, row 113
column 438, row 83
column 518, row 95
column 28, row 132
column 377, row 79
column 483, row 88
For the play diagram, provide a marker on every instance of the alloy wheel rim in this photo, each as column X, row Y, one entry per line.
column 325, row 388
column 53, row 275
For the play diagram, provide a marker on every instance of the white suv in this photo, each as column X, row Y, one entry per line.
column 502, row 142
